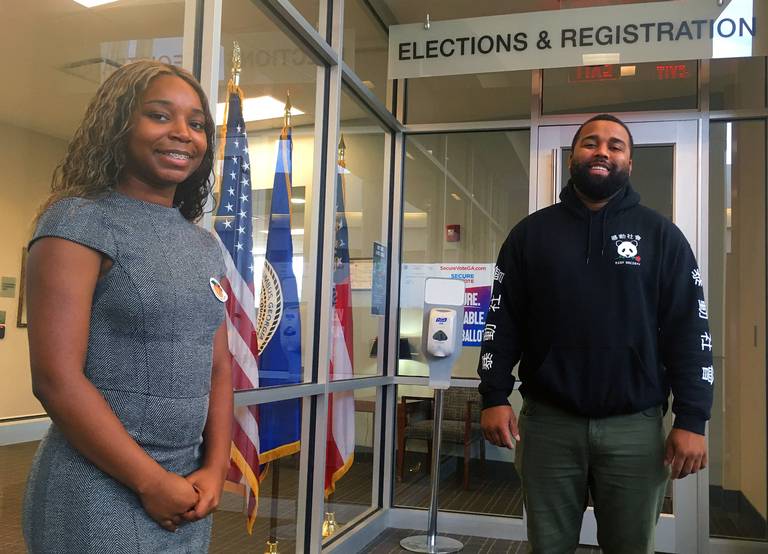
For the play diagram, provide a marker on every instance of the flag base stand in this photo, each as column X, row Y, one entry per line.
column 431, row 542
column 439, row 545
column 329, row 524
column 271, row 547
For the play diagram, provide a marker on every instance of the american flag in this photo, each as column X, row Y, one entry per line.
column 340, row 442
column 234, row 229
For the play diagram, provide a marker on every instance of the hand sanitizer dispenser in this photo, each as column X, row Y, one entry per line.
column 442, row 328
column 442, row 323
column 442, row 337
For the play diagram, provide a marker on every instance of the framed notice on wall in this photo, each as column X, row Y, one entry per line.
column 360, row 271
column 21, row 316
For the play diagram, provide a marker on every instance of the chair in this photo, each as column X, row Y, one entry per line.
column 461, row 425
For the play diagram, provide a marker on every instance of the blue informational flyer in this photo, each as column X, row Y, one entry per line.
column 379, row 280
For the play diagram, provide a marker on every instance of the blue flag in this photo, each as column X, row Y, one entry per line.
column 279, row 322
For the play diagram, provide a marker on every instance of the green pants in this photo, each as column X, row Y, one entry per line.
column 562, row 457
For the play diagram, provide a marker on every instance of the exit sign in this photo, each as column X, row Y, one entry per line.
column 589, row 73
column 666, row 72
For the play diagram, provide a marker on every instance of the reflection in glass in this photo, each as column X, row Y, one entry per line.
column 475, row 475
column 668, row 85
column 463, row 193
column 276, row 518
column 366, row 46
column 652, row 175
column 737, row 304
column 359, row 241
column 478, row 97
column 266, row 84
column 349, row 458
column 737, row 84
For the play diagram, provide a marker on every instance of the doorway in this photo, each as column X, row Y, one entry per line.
column 666, row 175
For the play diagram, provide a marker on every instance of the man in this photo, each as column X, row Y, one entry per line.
column 601, row 301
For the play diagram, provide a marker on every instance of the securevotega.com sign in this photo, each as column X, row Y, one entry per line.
column 682, row 30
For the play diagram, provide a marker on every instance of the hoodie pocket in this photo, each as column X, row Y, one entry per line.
column 595, row 381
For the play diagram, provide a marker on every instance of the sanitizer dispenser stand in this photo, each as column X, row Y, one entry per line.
column 441, row 343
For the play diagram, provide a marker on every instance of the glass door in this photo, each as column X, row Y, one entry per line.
column 665, row 173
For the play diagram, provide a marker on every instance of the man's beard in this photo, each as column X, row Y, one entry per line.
column 595, row 187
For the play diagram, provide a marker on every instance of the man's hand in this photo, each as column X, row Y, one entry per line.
column 499, row 425
column 686, row 452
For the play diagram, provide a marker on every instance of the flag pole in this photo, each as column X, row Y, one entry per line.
column 272, row 542
column 237, row 66
column 330, row 525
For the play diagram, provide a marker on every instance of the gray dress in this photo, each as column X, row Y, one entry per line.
column 149, row 353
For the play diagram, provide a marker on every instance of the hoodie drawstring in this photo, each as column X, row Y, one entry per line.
column 602, row 236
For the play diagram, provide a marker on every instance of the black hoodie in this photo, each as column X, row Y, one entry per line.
column 604, row 311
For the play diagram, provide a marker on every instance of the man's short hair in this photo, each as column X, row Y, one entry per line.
column 605, row 117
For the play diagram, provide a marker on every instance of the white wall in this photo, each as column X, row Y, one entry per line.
column 28, row 160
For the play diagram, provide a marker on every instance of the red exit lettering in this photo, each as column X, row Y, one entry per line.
column 593, row 73
column 672, row 71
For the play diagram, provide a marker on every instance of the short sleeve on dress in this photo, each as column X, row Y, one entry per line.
column 79, row 220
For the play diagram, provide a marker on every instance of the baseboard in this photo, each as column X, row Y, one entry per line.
column 357, row 538
column 16, row 431
column 492, row 527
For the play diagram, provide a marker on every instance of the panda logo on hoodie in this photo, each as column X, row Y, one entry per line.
column 627, row 248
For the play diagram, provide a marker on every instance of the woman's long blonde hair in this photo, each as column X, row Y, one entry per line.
column 97, row 153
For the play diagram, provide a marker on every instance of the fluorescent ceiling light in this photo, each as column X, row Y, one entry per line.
column 257, row 109
column 601, row 59
column 298, row 201
column 628, row 70
column 94, row 3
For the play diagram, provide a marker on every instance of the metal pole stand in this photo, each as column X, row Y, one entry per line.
column 432, row 543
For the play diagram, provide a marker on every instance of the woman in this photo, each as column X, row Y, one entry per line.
column 127, row 342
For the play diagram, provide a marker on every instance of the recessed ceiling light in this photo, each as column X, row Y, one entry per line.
column 455, row 196
column 257, row 109
column 94, row 3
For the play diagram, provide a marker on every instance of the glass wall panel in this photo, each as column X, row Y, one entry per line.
column 737, row 84
column 463, row 192
column 277, row 505
column 479, row 97
column 365, row 46
column 349, row 458
column 652, row 175
column 737, row 308
column 310, row 9
column 667, row 85
column 50, row 79
column 361, row 243
column 406, row 11
column 475, row 476
column 266, row 86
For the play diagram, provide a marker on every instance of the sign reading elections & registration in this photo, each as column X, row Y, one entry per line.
column 653, row 31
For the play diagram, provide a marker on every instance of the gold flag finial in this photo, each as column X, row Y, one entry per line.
column 236, row 63
column 342, row 148
column 287, row 114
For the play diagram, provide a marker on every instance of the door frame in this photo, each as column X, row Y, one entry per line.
column 679, row 531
